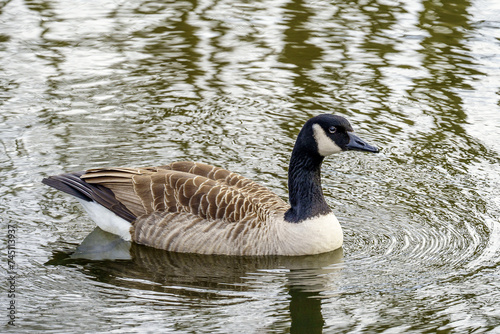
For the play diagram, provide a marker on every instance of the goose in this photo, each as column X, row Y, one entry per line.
column 192, row 207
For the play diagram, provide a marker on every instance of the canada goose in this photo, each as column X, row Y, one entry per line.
column 197, row 208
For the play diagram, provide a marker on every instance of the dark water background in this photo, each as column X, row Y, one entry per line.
column 128, row 83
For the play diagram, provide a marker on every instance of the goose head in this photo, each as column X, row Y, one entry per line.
column 329, row 134
column 320, row 136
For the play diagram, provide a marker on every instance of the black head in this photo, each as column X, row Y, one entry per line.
column 333, row 134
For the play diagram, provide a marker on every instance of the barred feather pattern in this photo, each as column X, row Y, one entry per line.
column 178, row 232
column 195, row 207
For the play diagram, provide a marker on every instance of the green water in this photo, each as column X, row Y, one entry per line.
column 129, row 83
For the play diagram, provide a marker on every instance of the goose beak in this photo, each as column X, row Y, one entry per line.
column 358, row 144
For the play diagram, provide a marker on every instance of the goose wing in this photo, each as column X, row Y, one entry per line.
column 197, row 189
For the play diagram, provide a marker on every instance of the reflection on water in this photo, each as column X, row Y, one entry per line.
column 203, row 278
column 130, row 83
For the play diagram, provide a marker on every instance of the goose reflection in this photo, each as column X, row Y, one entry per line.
column 108, row 258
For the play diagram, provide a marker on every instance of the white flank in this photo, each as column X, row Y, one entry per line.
column 274, row 237
column 313, row 236
column 107, row 220
column 326, row 146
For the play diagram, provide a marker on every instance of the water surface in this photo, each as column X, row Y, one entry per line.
column 130, row 83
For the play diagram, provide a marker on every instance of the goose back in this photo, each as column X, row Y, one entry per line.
column 196, row 188
column 176, row 203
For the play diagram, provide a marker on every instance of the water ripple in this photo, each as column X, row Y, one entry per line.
column 426, row 220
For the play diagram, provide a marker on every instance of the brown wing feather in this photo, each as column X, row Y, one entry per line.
column 202, row 190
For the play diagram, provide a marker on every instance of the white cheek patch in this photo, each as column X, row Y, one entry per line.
column 326, row 146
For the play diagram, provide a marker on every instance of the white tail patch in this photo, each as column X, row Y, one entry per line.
column 326, row 146
column 107, row 220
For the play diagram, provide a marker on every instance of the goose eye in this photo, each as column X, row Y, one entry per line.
column 332, row 129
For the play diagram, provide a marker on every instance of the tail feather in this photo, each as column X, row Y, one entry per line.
column 72, row 184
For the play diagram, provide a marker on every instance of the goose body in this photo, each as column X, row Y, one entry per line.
column 198, row 208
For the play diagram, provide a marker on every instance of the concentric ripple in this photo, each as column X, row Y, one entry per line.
column 417, row 215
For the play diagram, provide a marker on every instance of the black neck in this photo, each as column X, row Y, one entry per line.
column 304, row 186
